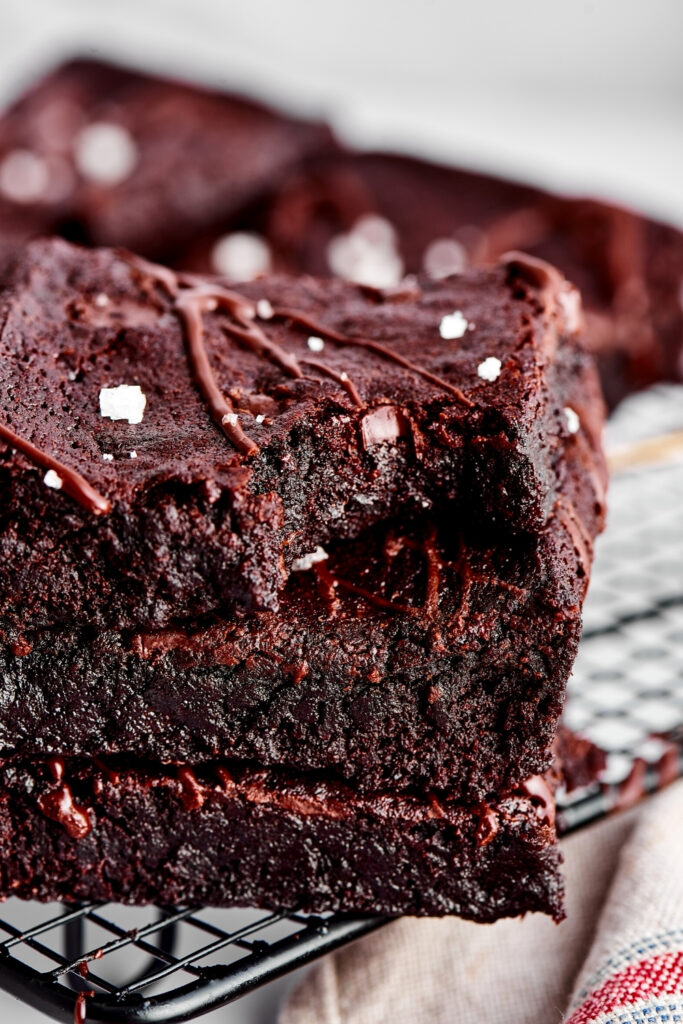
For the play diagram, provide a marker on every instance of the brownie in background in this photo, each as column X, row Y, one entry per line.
column 107, row 155
column 374, row 217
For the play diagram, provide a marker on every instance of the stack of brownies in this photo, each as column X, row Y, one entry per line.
column 292, row 568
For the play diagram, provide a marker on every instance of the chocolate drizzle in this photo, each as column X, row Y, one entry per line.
column 191, row 792
column 76, row 486
column 310, row 324
column 342, row 379
column 192, row 298
column 196, row 299
column 58, row 805
column 110, row 774
column 56, row 767
column 80, row 1006
column 190, row 308
column 540, row 274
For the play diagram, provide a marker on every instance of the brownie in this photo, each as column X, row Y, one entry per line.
column 422, row 653
column 440, row 219
column 114, row 156
column 260, row 424
column 218, row 836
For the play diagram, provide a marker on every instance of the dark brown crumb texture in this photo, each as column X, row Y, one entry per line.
column 221, row 837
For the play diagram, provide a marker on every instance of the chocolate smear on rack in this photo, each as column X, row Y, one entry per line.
column 80, row 1007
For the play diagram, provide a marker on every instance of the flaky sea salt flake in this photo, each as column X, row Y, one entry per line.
column 307, row 562
column 125, row 402
column 572, row 420
column 105, row 153
column 53, row 480
column 24, row 176
column 453, row 326
column 241, row 256
column 490, row 368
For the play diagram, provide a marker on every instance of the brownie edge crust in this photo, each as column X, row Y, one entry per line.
column 213, row 836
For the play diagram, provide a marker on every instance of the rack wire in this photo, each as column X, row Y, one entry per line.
column 626, row 694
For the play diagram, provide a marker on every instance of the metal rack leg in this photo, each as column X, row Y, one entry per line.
column 73, row 946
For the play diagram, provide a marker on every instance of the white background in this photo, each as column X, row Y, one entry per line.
column 586, row 96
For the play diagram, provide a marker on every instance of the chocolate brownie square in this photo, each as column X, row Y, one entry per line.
column 413, row 657
column 113, row 156
column 420, row 654
column 171, row 446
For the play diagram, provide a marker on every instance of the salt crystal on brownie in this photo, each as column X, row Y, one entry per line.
column 24, row 176
column 52, row 479
column 125, row 402
column 573, row 421
column 264, row 309
column 241, row 256
column 490, row 368
column 453, row 326
column 105, row 153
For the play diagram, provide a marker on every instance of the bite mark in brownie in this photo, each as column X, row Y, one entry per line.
column 392, row 421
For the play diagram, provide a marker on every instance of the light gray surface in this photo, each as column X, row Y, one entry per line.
column 581, row 95
column 585, row 96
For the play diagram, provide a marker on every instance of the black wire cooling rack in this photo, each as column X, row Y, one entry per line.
column 626, row 694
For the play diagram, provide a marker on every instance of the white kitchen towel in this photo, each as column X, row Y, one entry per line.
column 617, row 959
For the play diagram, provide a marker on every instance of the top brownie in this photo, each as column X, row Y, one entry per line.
column 111, row 156
column 171, row 446
column 438, row 220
